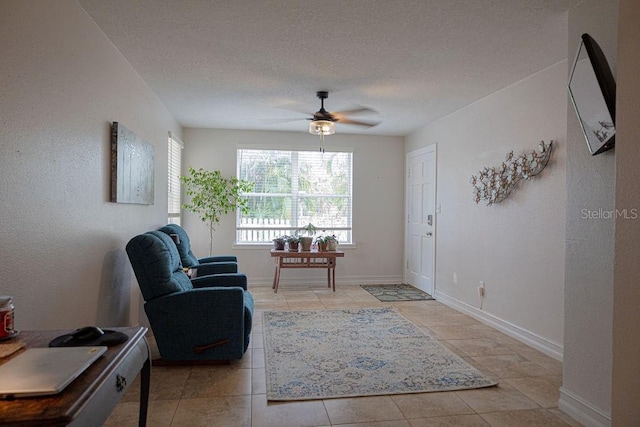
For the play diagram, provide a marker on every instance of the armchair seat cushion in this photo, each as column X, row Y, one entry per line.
column 215, row 268
column 218, row 258
column 230, row 279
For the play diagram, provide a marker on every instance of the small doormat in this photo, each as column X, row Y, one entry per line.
column 390, row 293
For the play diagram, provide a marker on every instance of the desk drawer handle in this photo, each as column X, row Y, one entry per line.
column 121, row 383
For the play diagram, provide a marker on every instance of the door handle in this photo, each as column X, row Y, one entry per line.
column 429, row 234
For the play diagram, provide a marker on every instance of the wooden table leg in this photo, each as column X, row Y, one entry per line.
column 329, row 276
column 145, row 380
column 277, row 278
column 334, row 278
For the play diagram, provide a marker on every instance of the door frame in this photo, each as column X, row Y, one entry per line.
column 407, row 191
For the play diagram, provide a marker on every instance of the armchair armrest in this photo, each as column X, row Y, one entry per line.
column 221, row 280
column 186, row 320
column 218, row 258
column 216, row 268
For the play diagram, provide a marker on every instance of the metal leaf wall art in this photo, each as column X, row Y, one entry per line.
column 493, row 185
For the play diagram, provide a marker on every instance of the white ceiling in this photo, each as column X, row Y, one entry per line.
column 238, row 64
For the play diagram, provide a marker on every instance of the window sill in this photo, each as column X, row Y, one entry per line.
column 263, row 246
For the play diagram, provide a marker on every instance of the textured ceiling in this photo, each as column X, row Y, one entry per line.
column 247, row 64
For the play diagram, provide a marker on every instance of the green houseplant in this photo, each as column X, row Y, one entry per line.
column 278, row 243
column 327, row 243
column 213, row 195
column 306, row 239
column 332, row 242
column 322, row 245
column 293, row 242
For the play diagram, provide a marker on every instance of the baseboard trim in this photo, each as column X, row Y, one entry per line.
column 547, row 347
column 581, row 410
column 349, row 280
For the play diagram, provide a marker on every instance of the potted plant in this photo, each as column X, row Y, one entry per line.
column 306, row 240
column 327, row 243
column 293, row 242
column 213, row 195
column 278, row 243
column 332, row 242
column 322, row 244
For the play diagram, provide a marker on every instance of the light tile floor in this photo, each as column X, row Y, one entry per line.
column 234, row 395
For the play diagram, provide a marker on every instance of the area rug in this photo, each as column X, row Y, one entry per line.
column 319, row 354
column 389, row 293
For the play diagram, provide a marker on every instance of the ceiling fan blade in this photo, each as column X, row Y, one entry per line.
column 361, row 110
column 356, row 122
column 284, row 120
column 296, row 109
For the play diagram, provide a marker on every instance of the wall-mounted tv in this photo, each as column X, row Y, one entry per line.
column 593, row 94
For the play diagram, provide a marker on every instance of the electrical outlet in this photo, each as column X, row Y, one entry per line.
column 481, row 288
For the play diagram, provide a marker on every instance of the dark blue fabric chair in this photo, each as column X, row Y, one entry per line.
column 207, row 318
column 204, row 266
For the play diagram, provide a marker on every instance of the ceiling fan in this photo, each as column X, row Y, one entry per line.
column 323, row 122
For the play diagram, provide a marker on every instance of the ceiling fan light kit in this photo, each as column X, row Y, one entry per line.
column 322, row 127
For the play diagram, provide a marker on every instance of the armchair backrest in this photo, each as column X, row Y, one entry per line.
column 156, row 264
column 183, row 244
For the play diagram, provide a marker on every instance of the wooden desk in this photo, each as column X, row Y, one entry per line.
column 306, row 259
column 91, row 397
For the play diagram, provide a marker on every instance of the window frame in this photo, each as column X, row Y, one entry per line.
column 295, row 197
column 174, row 186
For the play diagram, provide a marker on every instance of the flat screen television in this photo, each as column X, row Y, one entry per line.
column 593, row 94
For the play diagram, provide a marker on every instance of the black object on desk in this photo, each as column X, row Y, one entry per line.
column 89, row 336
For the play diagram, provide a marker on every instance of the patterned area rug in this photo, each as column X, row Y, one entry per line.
column 357, row 352
column 389, row 293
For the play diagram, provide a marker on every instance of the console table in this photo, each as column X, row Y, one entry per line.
column 90, row 398
column 306, row 259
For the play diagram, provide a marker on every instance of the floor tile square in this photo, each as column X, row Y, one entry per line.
column 362, row 409
column 287, row 414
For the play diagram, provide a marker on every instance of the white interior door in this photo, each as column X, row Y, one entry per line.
column 421, row 219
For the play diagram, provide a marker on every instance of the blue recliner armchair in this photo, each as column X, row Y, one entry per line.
column 207, row 318
column 204, row 266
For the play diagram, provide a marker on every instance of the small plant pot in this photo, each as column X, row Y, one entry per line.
column 278, row 244
column 293, row 246
column 322, row 247
column 332, row 246
column 305, row 243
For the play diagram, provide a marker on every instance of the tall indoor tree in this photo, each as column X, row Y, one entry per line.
column 213, row 195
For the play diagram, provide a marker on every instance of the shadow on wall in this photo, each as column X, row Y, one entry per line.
column 115, row 288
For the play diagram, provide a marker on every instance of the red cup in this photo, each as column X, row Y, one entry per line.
column 6, row 317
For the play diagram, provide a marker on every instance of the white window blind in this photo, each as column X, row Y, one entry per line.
column 292, row 189
column 174, row 170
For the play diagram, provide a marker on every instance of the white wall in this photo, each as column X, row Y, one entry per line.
column 586, row 389
column 378, row 204
column 517, row 246
column 62, row 241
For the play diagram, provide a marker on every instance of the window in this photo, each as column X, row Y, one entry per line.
column 293, row 189
column 173, row 181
